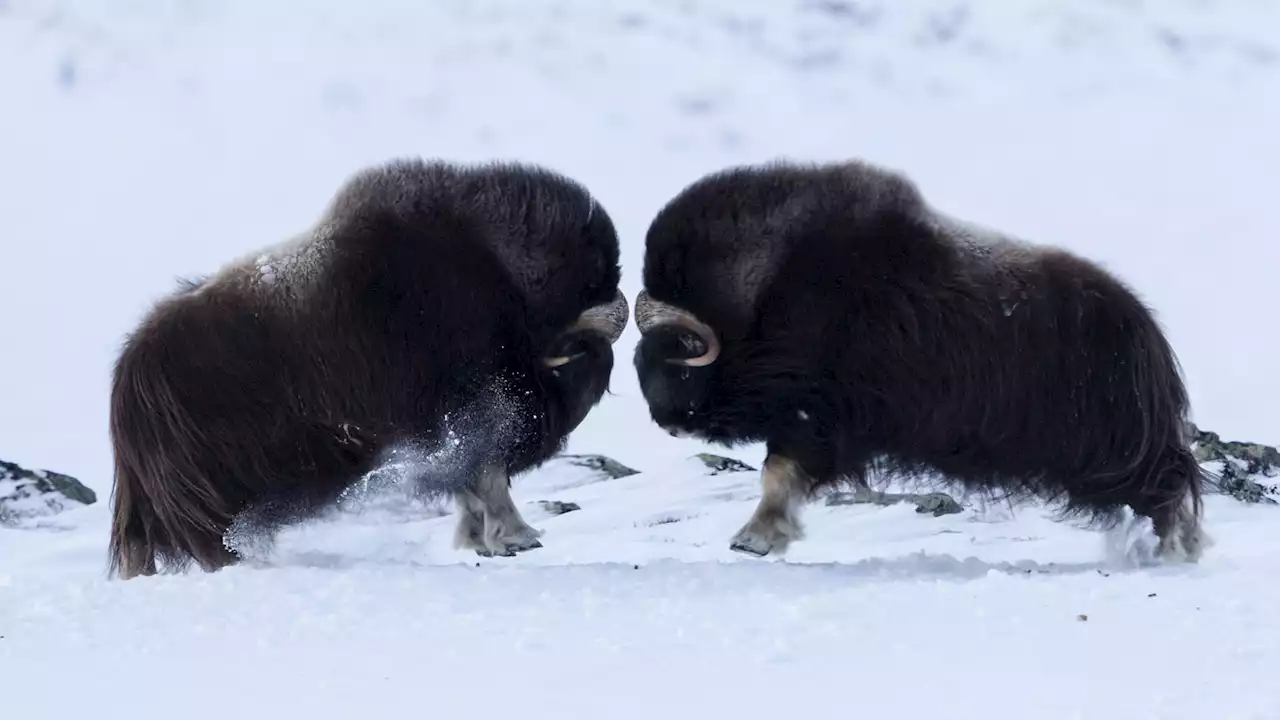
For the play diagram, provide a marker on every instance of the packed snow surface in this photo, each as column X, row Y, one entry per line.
column 142, row 141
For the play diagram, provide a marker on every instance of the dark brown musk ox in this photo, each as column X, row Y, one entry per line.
column 827, row 311
column 427, row 292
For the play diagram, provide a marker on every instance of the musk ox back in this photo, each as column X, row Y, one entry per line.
column 830, row 313
column 426, row 292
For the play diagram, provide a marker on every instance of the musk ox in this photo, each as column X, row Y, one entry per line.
column 426, row 289
column 828, row 311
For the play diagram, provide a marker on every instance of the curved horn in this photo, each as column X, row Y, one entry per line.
column 652, row 313
column 607, row 320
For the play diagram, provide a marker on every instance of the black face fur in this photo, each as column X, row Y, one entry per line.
column 675, row 393
column 862, row 331
column 583, row 382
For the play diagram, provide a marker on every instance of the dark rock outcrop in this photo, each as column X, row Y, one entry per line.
column 31, row 494
column 936, row 503
column 558, row 507
column 719, row 464
column 1247, row 471
column 601, row 464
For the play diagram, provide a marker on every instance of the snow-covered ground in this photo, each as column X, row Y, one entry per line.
column 635, row 608
column 140, row 141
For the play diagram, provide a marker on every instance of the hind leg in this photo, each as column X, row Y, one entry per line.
column 488, row 520
column 311, row 473
column 775, row 524
column 1180, row 533
column 1175, row 509
column 1177, row 526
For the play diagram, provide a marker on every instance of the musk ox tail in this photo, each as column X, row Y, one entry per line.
column 183, row 472
column 166, row 507
column 132, row 548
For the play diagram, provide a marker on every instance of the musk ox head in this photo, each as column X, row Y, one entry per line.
column 554, row 244
column 710, row 255
column 580, row 359
column 675, row 361
column 578, row 355
column 733, row 319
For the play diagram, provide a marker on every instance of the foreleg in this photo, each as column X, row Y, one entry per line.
column 488, row 520
column 775, row 523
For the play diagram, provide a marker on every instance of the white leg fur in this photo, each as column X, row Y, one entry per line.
column 488, row 520
column 469, row 532
column 1186, row 540
column 1138, row 542
column 776, row 522
column 1129, row 545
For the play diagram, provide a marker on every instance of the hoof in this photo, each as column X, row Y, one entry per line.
column 761, row 537
column 757, row 544
column 510, row 545
column 509, row 549
column 754, row 547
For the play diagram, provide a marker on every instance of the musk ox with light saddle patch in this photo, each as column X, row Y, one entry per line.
column 426, row 289
column 827, row 311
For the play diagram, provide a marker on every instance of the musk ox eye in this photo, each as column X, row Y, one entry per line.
column 570, row 345
column 690, row 346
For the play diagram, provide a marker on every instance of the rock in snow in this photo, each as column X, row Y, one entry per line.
column 1247, row 471
column 558, row 507
column 29, row 494
column 720, row 464
column 935, row 503
column 608, row 466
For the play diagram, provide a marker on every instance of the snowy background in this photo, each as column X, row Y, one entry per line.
column 142, row 141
